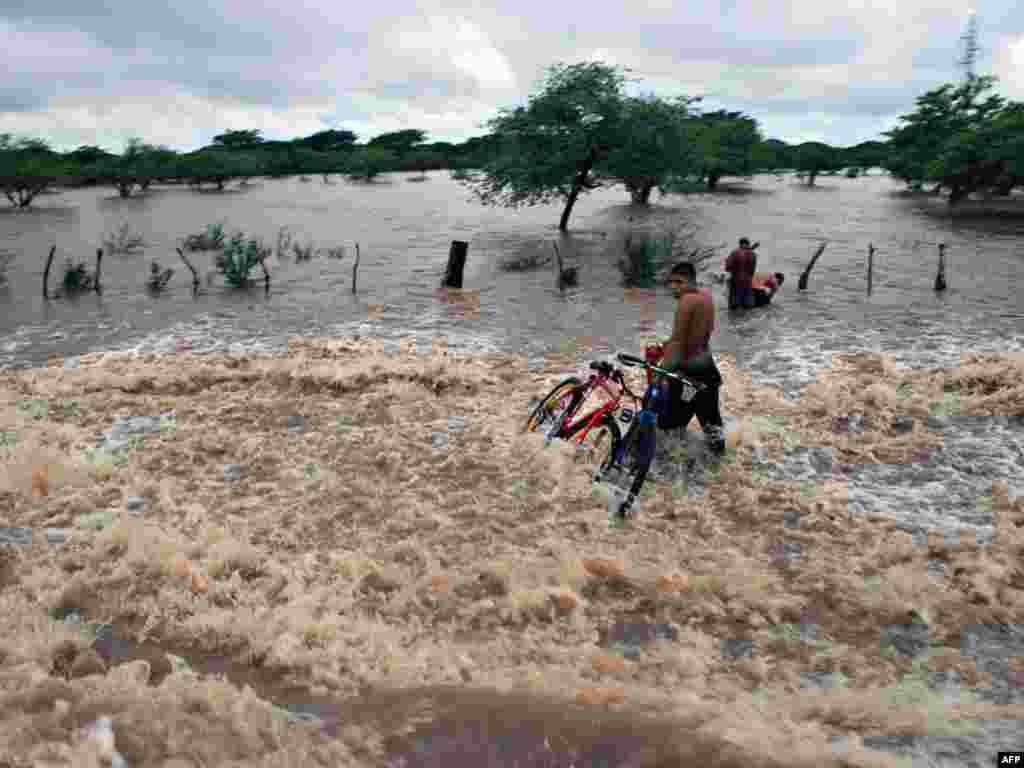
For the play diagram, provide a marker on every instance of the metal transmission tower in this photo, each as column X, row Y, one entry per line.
column 971, row 47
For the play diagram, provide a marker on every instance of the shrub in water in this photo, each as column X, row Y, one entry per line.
column 239, row 257
column 77, row 277
column 124, row 240
column 212, row 239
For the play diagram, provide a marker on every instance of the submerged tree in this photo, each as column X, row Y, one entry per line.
column 814, row 158
column 949, row 139
column 725, row 142
column 550, row 148
column 27, row 168
column 654, row 149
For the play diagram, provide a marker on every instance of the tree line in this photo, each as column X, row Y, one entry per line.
column 580, row 131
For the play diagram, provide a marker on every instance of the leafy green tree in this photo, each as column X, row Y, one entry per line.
column 550, row 148
column 399, row 142
column 1008, row 146
column 213, row 166
column 938, row 141
column 89, row 155
column 867, row 154
column 725, row 142
column 238, row 139
column 654, row 148
column 422, row 160
column 27, row 168
column 135, row 169
column 772, row 155
column 814, row 158
column 366, row 163
column 329, row 140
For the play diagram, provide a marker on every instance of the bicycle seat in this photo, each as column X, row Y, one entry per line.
column 601, row 367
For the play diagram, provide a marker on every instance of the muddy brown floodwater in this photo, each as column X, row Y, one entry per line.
column 353, row 556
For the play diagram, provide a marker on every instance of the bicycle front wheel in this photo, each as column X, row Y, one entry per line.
column 602, row 444
column 559, row 404
column 638, row 453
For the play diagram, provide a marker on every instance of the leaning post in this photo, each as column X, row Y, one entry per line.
column 871, row 264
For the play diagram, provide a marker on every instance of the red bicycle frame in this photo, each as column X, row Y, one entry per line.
column 602, row 381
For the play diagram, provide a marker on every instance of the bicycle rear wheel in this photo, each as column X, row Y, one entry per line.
column 560, row 403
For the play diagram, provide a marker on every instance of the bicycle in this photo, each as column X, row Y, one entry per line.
column 562, row 403
column 630, row 454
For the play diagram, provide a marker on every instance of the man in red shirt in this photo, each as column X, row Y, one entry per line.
column 741, row 266
column 688, row 351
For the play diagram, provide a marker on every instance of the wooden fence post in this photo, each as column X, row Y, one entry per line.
column 940, row 278
column 871, row 264
column 195, row 275
column 456, row 264
column 355, row 267
column 46, row 273
column 99, row 261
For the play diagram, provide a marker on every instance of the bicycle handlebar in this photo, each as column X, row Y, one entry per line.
column 636, row 362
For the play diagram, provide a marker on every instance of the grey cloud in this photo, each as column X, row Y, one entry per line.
column 785, row 63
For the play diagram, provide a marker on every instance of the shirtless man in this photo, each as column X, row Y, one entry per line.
column 688, row 352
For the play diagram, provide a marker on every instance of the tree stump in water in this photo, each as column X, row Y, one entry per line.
column 456, row 264
column 940, row 278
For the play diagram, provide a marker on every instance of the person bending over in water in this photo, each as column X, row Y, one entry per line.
column 765, row 286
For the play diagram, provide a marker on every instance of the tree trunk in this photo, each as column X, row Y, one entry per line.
column 577, row 187
column 641, row 194
column 713, row 181
column 956, row 194
column 811, row 176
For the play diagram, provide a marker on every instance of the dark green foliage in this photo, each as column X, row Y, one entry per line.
column 238, row 139
column 813, row 158
column 725, row 143
column 328, row 141
column 27, row 168
column 211, row 239
column 239, row 257
column 77, row 277
column 655, row 148
column 550, row 148
column 960, row 139
column 399, row 142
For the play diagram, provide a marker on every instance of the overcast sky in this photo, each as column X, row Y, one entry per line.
column 839, row 71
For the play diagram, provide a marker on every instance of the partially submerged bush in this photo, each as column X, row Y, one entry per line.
column 239, row 257
column 649, row 257
column 302, row 253
column 211, row 239
column 123, row 240
column 5, row 259
column 78, row 277
column 336, row 252
column 526, row 262
column 158, row 278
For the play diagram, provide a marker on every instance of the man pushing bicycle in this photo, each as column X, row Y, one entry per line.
column 688, row 351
